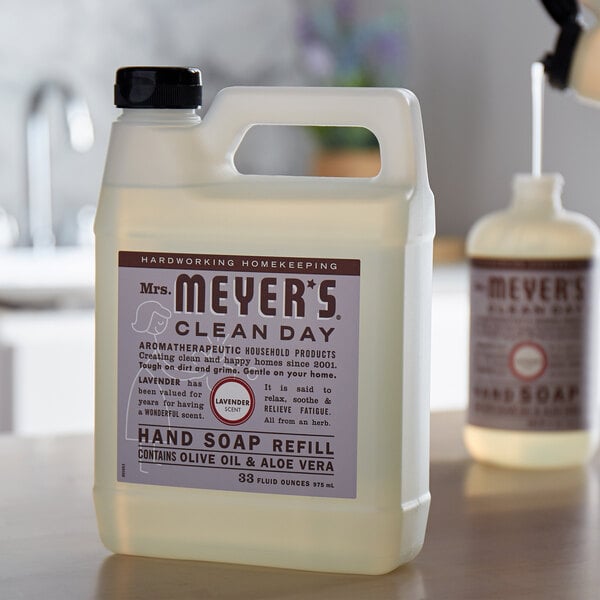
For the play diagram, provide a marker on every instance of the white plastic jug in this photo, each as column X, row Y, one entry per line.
column 262, row 342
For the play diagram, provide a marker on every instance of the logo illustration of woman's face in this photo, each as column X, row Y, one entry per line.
column 157, row 324
column 151, row 317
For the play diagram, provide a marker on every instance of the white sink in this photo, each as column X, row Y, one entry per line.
column 450, row 337
column 47, row 277
column 46, row 371
column 50, row 334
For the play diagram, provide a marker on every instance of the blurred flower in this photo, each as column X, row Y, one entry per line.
column 351, row 43
column 319, row 60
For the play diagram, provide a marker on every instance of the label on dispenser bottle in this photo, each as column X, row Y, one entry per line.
column 531, row 359
column 238, row 373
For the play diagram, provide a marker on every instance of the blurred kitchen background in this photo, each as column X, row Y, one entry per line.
column 468, row 61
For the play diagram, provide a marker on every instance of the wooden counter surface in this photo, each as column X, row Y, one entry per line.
column 492, row 534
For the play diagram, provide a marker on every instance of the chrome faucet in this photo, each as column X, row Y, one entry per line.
column 39, row 231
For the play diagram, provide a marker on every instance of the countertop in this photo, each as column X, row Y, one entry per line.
column 492, row 534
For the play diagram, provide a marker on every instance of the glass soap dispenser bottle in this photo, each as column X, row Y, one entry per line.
column 533, row 355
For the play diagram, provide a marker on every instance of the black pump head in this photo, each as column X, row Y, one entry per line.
column 562, row 11
column 558, row 64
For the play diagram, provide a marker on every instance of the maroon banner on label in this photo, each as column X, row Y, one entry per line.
column 256, row 264
column 529, row 264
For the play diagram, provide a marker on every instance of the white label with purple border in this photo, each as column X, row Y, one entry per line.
column 238, row 373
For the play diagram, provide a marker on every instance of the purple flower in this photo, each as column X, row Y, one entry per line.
column 346, row 45
column 319, row 60
column 347, row 42
column 345, row 11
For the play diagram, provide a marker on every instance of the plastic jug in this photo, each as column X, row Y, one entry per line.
column 262, row 342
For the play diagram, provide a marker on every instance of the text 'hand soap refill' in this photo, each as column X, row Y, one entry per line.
column 262, row 372
column 534, row 317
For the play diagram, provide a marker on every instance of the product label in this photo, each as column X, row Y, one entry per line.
column 531, row 360
column 238, row 373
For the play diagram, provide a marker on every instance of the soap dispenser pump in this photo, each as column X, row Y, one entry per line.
column 575, row 61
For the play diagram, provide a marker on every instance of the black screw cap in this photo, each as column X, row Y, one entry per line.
column 158, row 87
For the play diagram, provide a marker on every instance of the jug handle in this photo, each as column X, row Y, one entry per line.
column 392, row 114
